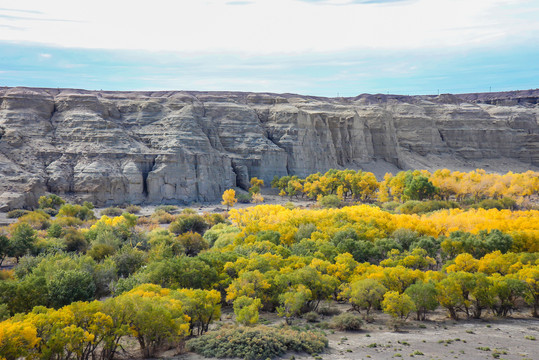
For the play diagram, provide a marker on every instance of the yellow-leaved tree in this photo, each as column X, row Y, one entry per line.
column 229, row 198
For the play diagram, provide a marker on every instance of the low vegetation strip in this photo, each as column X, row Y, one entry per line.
column 259, row 342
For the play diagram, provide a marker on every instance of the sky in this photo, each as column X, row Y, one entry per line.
column 312, row 47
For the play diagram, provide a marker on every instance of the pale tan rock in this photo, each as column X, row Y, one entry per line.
column 168, row 147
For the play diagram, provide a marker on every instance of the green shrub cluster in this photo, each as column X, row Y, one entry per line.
column 254, row 343
column 346, row 322
column 112, row 211
column 17, row 213
column 422, row 207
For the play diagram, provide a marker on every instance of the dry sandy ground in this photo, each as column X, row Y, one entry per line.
column 438, row 338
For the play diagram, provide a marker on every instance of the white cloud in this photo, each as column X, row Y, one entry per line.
column 271, row 26
column 45, row 56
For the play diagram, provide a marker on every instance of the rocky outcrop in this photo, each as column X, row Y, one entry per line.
column 169, row 147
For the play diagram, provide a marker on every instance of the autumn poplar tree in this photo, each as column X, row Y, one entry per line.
column 229, row 198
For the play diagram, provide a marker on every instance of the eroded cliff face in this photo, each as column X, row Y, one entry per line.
column 168, row 147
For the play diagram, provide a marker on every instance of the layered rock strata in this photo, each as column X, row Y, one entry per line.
column 170, row 147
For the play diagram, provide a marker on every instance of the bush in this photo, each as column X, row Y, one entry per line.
column 246, row 310
column 329, row 201
column 50, row 211
column 214, row 219
column 17, row 213
column 4, row 312
column 162, row 217
column 50, row 201
column 193, row 243
column 78, row 211
column 244, row 198
column 346, row 322
column 100, row 251
column 505, row 203
column 390, row 205
column 311, row 316
column 128, row 260
column 328, row 311
column 67, row 286
column 112, row 211
column 133, row 209
column 421, row 207
column 75, row 240
column 260, row 342
column 166, row 208
column 187, row 223
column 305, row 231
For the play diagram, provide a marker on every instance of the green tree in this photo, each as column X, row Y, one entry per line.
column 293, row 302
column 246, row 310
column 193, row 243
column 152, row 319
column 482, row 295
column 365, row 294
column 50, row 201
column 202, row 307
column 507, row 291
column 128, row 260
column 67, row 286
column 189, row 222
column 23, row 239
column 420, row 188
column 5, row 248
column 424, row 297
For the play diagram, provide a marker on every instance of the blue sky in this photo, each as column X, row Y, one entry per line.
column 316, row 47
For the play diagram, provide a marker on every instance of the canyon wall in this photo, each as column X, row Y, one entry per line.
column 171, row 147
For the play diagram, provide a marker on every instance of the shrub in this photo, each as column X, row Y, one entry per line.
column 192, row 243
column 311, row 316
column 17, row 213
column 213, row 219
column 112, row 211
column 390, row 205
column 190, row 222
column 328, row 310
column 133, row 209
column 421, row 207
column 88, row 205
column 67, row 286
column 4, row 312
column 78, row 211
column 50, row 211
column 162, row 217
column 50, row 201
column 329, row 201
column 246, row 310
column 166, row 208
column 505, row 203
column 100, row 251
column 6, row 274
column 260, row 342
column 289, row 205
column 346, row 322
column 38, row 219
column 75, row 240
column 128, row 260
column 244, row 198
column 305, row 231
column 124, row 285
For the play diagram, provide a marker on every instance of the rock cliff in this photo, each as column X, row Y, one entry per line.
column 167, row 147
